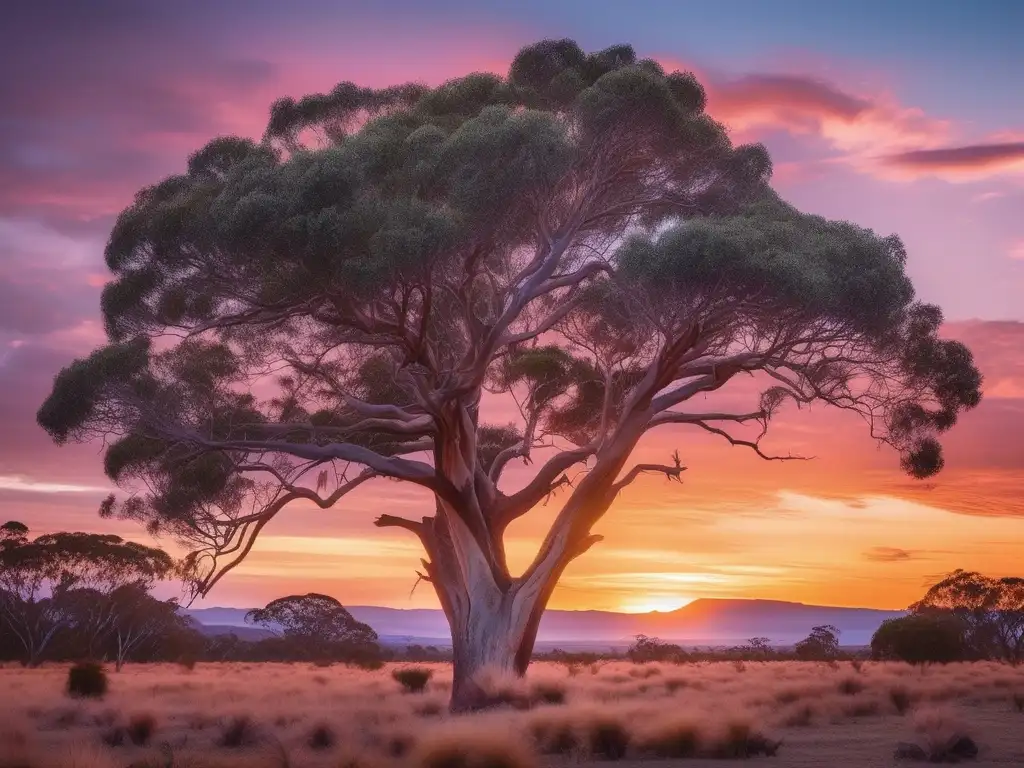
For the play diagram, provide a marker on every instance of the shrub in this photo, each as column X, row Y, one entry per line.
column 87, row 680
column 920, row 638
column 321, row 737
column 140, row 729
column 239, row 732
column 741, row 740
column 900, row 698
column 678, row 739
column 556, row 737
column 608, row 739
column 1018, row 702
column 645, row 649
column 429, row 709
column 798, row 716
column 471, row 749
column 413, row 679
column 942, row 737
column 684, row 738
column 850, row 686
column 548, row 693
column 114, row 737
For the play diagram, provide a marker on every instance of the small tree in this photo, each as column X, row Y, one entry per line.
column 317, row 624
column 759, row 646
column 820, row 645
column 991, row 611
column 579, row 238
column 920, row 638
column 645, row 649
column 139, row 618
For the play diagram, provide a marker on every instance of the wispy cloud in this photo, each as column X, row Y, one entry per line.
column 969, row 160
column 889, row 555
column 802, row 104
column 17, row 483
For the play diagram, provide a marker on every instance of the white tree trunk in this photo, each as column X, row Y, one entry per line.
column 492, row 636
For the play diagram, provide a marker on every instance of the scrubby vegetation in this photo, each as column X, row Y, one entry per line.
column 309, row 716
column 87, row 680
column 413, row 679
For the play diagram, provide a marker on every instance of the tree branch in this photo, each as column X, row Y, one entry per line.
column 671, row 471
column 752, row 444
column 391, row 521
column 545, row 481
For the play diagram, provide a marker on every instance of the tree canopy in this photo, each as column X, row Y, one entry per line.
column 821, row 643
column 920, row 638
column 337, row 300
column 991, row 611
column 59, row 580
column 312, row 617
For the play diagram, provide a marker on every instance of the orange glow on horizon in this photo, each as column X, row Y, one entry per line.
column 659, row 603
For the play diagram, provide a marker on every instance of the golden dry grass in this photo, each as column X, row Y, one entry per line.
column 296, row 715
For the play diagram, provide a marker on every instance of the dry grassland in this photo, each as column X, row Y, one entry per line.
column 303, row 716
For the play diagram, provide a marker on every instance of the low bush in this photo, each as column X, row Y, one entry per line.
column 140, row 729
column 321, row 737
column 238, row 732
column 471, row 749
column 413, row 679
column 87, row 680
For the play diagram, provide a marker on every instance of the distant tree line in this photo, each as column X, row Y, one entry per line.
column 75, row 596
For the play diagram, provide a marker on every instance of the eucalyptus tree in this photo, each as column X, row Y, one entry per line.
column 340, row 302
column 319, row 624
column 63, row 581
column 990, row 609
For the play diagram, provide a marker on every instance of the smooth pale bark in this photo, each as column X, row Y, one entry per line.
column 492, row 636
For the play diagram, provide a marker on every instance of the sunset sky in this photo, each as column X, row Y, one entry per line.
column 906, row 117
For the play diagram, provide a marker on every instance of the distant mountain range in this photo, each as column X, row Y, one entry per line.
column 702, row 622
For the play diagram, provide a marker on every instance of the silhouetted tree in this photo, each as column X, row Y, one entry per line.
column 318, row 624
column 580, row 234
column 932, row 637
column 759, row 646
column 138, row 618
column 646, row 649
column 820, row 645
column 992, row 611
column 63, row 580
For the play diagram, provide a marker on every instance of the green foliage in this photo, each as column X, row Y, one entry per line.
column 921, row 638
column 822, row 644
column 989, row 612
column 312, row 617
column 382, row 257
column 413, row 679
column 87, row 680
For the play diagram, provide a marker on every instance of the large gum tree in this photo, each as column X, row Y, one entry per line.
column 294, row 318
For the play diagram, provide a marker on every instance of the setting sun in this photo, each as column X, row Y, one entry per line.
column 662, row 603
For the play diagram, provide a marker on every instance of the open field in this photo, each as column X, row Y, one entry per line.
column 300, row 715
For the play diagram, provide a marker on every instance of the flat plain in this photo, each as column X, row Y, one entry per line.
column 697, row 714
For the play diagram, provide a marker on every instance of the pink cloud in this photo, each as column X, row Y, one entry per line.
column 800, row 104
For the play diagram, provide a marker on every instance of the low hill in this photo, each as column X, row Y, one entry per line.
column 702, row 622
